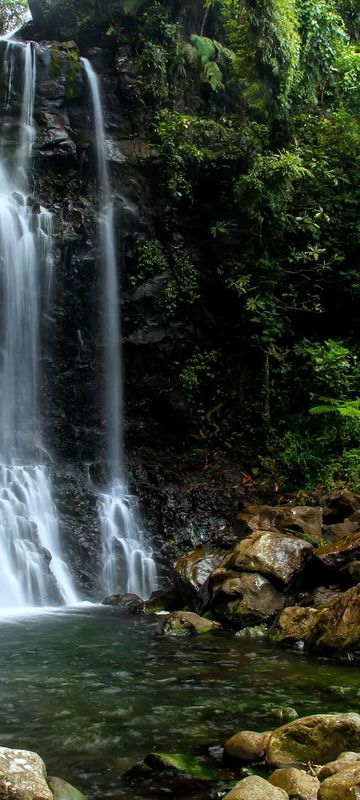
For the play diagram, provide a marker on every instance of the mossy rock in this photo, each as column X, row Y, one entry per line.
column 63, row 790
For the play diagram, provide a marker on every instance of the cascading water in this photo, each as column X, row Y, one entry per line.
column 128, row 564
column 33, row 570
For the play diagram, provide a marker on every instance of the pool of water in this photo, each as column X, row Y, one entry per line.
column 93, row 692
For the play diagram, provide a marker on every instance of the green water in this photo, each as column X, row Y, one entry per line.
column 93, row 692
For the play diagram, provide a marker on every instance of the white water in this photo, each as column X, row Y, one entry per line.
column 127, row 560
column 33, row 571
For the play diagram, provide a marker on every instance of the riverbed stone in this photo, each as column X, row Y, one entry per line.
column 301, row 520
column 338, row 626
column 64, row 791
column 294, row 624
column 183, row 623
column 297, row 783
column 345, row 785
column 243, row 599
column 246, row 747
column 256, row 788
column 23, row 775
column 317, row 739
column 276, row 555
column 343, row 761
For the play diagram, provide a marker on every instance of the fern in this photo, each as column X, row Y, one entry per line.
column 207, row 51
column 345, row 408
column 213, row 75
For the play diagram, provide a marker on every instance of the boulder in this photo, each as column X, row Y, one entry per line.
column 343, row 761
column 129, row 603
column 332, row 533
column 170, row 764
column 245, row 599
column 301, row 520
column 278, row 556
column 163, row 600
column 193, row 569
column 255, row 788
column 337, row 555
column 183, row 623
column 246, row 747
column 318, row 739
column 23, row 775
column 345, row 785
column 297, row 783
column 294, row 624
column 339, row 506
column 64, row 791
column 338, row 626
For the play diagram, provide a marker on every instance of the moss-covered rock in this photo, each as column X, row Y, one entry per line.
column 64, row 791
column 318, row 739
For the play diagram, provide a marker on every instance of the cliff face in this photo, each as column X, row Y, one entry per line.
column 184, row 499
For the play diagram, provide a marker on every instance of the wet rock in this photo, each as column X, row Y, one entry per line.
column 163, row 600
column 284, row 713
column 193, row 570
column 319, row 739
column 253, row 632
column 352, row 571
column 183, row 623
column 129, row 603
column 255, row 788
column 243, row 599
column 343, row 786
column 64, row 791
column 332, row 533
column 169, row 764
column 319, row 598
column 343, row 761
column 277, row 556
column 294, row 624
column 339, row 554
column 297, row 783
column 300, row 520
column 339, row 506
column 246, row 747
column 23, row 775
column 338, row 626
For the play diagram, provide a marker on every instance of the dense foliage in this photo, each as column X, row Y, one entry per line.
column 12, row 14
column 251, row 112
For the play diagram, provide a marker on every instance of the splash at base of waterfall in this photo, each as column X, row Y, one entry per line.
column 33, row 572
column 128, row 565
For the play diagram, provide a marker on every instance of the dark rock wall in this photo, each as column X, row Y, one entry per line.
column 185, row 498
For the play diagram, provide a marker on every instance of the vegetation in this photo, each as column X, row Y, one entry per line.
column 12, row 14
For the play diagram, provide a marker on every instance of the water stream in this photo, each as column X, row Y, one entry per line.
column 33, row 566
column 128, row 564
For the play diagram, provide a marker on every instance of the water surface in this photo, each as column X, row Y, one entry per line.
column 93, row 692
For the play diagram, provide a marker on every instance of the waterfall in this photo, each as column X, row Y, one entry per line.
column 33, row 570
column 128, row 564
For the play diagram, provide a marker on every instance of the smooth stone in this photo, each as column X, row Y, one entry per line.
column 343, row 786
column 338, row 626
column 23, row 775
column 294, row 624
column 256, row 788
column 343, row 761
column 276, row 555
column 246, row 746
column 183, row 623
column 297, row 783
column 64, row 791
column 317, row 739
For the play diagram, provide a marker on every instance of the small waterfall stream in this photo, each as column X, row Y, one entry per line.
column 33, row 566
column 128, row 564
